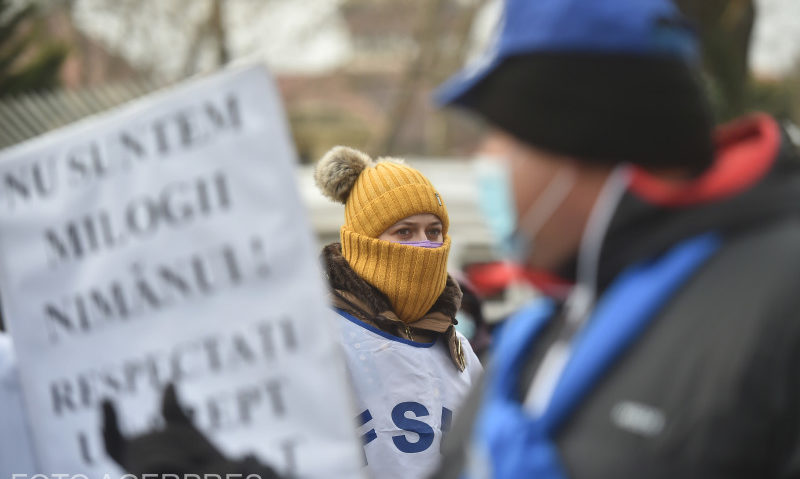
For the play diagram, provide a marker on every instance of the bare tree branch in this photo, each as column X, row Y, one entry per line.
column 426, row 43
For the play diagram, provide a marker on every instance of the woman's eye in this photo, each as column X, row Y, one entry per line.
column 403, row 232
column 434, row 233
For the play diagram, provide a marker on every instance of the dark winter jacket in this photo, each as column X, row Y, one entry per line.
column 713, row 376
column 352, row 294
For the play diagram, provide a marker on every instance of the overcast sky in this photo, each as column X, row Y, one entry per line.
column 776, row 38
column 310, row 36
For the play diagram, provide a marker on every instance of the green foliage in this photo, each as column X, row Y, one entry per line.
column 774, row 97
column 26, row 62
column 724, row 28
column 779, row 97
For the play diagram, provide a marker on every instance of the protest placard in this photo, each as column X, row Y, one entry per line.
column 165, row 242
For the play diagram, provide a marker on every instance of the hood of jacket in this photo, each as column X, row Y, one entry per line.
column 754, row 180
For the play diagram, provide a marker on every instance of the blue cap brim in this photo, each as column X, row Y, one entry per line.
column 455, row 91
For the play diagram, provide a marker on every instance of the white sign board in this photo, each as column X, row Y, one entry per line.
column 165, row 242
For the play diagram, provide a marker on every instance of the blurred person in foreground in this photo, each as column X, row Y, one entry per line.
column 396, row 307
column 674, row 354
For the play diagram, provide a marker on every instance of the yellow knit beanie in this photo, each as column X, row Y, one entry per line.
column 377, row 195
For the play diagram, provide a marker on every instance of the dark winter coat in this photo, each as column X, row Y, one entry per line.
column 718, row 364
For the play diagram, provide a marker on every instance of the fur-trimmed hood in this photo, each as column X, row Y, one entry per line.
column 353, row 294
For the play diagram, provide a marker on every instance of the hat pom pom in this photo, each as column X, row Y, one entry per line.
column 338, row 170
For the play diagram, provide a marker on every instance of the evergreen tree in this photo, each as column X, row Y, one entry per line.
column 26, row 63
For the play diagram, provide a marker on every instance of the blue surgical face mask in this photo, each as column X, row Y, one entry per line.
column 496, row 202
column 515, row 240
column 423, row 244
column 465, row 325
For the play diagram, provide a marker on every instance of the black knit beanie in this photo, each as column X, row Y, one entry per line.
column 600, row 107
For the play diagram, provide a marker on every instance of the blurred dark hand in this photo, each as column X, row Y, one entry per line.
column 178, row 448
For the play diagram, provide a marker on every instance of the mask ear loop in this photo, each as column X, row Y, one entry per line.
column 548, row 202
column 534, row 219
column 583, row 296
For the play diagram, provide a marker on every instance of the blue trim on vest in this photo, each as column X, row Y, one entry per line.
column 520, row 445
column 377, row 331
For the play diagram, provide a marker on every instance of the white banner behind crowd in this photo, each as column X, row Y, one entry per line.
column 165, row 242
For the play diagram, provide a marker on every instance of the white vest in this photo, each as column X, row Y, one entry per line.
column 406, row 393
column 16, row 449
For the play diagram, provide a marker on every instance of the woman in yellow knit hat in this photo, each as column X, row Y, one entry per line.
column 396, row 308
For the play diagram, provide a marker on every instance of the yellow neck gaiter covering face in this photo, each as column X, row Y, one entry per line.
column 376, row 195
column 411, row 277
